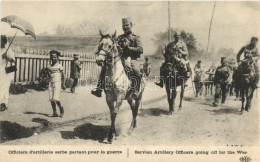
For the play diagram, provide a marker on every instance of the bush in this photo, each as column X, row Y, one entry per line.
column 68, row 82
column 18, row 88
column 44, row 78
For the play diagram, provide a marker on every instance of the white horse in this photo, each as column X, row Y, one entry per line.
column 118, row 85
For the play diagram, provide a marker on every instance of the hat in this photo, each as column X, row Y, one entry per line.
column 3, row 39
column 223, row 59
column 199, row 61
column 76, row 55
column 177, row 33
column 254, row 38
column 55, row 52
column 126, row 20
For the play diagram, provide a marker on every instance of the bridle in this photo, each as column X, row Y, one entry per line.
column 109, row 54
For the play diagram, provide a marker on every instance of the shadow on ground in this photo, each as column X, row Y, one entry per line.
column 87, row 131
column 152, row 112
column 11, row 131
column 29, row 112
column 225, row 110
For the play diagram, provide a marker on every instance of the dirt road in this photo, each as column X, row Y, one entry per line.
column 87, row 120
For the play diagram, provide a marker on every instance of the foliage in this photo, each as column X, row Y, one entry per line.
column 44, row 78
column 18, row 88
column 68, row 82
column 161, row 40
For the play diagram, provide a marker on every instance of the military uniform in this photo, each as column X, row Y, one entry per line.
column 176, row 51
column 75, row 72
column 250, row 52
column 133, row 50
column 222, row 75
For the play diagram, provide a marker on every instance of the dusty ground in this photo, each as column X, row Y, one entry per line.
column 87, row 120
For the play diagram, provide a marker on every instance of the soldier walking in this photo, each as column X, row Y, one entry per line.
column 221, row 82
column 75, row 72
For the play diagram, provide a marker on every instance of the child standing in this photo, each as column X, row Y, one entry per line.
column 56, row 78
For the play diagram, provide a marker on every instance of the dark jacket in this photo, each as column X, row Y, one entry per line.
column 75, row 69
column 135, row 48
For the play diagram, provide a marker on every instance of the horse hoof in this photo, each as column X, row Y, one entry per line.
column 180, row 108
column 170, row 112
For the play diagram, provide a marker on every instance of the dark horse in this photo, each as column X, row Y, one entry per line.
column 174, row 76
column 246, row 83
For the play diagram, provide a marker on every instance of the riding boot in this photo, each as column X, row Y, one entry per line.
column 3, row 107
column 217, row 95
column 100, row 86
column 61, row 111
column 53, row 104
column 160, row 82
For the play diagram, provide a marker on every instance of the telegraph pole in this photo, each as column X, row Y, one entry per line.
column 210, row 27
column 169, row 22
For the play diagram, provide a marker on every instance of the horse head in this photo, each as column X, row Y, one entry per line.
column 247, row 66
column 107, row 49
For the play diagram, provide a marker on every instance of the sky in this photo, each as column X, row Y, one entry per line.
column 234, row 23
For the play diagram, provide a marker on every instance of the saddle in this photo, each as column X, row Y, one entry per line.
column 173, row 67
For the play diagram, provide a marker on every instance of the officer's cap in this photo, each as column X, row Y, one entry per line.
column 199, row 61
column 126, row 20
column 52, row 52
column 75, row 55
column 254, row 39
column 177, row 33
column 3, row 39
column 223, row 59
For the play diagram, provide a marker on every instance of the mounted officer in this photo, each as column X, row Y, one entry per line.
column 250, row 52
column 132, row 49
column 222, row 75
column 176, row 51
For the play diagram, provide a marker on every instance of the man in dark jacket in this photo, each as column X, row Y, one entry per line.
column 221, row 81
column 75, row 72
column 131, row 46
column 250, row 52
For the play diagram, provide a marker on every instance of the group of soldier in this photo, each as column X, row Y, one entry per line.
column 176, row 52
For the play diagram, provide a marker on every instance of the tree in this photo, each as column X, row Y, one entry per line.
column 161, row 40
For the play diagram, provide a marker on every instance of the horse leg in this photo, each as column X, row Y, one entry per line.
column 181, row 97
column 174, row 94
column 242, row 93
column 169, row 96
column 196, row 89
column 134, row 113
column 211, row 89
column 250, row 97
column 113, row 114
column 206, row 89
column 111, row 132
column 237, row 93
column 247, row 98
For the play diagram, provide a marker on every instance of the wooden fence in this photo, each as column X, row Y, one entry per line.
column 29, row 62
